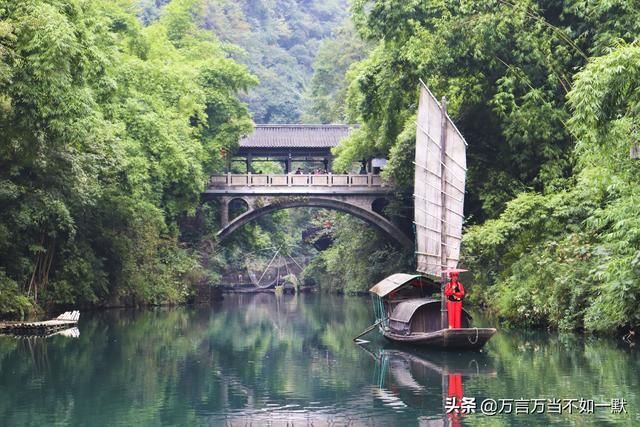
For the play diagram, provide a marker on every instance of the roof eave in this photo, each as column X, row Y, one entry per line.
column 392, row 283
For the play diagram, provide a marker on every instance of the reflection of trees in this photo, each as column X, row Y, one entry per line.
column 281, row 342
column 180, row 366
column 171, row 366
column 515, row 365
column 541, row 365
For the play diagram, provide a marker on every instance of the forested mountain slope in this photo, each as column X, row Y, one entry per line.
column 277, row 39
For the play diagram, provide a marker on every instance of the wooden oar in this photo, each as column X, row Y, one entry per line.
column 366, row 331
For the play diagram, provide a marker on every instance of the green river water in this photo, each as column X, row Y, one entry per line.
column 263, row 359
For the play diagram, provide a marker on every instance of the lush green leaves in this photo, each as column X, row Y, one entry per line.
column 505, row 68
column 550, row 180
column 327, row 91
column 277, row 40
column 570, row 258
column 109, row 130
column 356, row 259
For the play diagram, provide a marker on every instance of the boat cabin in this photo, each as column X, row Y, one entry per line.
column 405, row 304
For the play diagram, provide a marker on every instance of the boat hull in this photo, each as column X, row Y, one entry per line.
column 445, row 339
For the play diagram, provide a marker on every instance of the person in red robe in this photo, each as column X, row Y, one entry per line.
column 454, row 291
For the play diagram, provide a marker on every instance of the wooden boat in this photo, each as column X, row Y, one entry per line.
column 404, row 313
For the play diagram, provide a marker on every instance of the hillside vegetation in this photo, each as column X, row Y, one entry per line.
column 109, row 130
column 277, row 40
column 546, row 94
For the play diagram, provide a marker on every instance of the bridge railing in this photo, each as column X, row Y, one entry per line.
column 295, row 180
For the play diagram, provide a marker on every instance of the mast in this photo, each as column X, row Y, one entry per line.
column 443, row 210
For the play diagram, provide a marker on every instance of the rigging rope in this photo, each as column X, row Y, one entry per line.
column 280, row 261
column 476, row 340
column 296, row 262
column 265, row 270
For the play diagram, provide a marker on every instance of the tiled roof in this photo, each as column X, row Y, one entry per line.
column 314, row 136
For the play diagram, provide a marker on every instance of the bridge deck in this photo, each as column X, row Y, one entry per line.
column 280, row 184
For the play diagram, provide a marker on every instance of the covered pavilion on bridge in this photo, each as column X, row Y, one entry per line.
column 293, row 146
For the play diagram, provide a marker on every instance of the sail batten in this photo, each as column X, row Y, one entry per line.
column 439, row 187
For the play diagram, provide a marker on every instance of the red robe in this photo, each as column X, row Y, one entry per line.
column 454, row 291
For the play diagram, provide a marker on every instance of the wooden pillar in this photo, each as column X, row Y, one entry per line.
column 248, row 162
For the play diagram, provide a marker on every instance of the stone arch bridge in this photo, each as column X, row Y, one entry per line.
column 358, row 195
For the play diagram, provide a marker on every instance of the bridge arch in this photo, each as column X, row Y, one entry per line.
column 364, row 214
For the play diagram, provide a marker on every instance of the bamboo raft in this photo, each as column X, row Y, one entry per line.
column 66, row 320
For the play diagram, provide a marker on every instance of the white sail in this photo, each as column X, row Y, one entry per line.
column 439, row 187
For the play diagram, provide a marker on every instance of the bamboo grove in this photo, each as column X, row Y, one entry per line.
column 108, row 130
column 546, row 93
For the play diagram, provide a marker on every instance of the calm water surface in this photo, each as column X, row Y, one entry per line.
column 262, row 359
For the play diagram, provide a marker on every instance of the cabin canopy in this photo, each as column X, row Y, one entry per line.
column 403, row 312
column 392, row 283
column 418, row 315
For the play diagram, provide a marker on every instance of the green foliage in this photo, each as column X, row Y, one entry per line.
column 550, row 188
column 505, row 68
column 327, row 90
column 570, row 258
column 12, row 302
column 109, row 130
column 356, row 259
column 403, row 153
